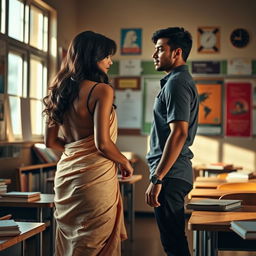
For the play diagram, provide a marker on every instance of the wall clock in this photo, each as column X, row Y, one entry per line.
column 208, row 39
column 240, row 37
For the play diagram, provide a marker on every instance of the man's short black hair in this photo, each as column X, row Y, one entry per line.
column 177, row 38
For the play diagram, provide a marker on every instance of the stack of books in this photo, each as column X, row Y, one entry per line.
column 213, row 204
column 3, row 187
column 237, row 177
column 16, row 196
column 9, row 228
column 245, row 229
column 220, row 166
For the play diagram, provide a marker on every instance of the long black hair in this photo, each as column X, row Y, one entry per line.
column 80, row 64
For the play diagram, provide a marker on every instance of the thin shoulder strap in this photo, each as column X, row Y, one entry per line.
column 88, row 98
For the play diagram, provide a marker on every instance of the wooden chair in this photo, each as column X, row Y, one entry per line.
column 251, row 186
column 247, row 198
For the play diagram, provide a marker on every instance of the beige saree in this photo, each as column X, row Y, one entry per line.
column 89, row 211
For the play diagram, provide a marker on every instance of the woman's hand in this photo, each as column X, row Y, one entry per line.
column 126, row 169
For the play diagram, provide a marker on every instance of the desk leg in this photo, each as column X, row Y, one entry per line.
column 213, row 244
column 131, row 210
column 40, row 218
column 204, row 243
column 23, row 248
column 196, row 242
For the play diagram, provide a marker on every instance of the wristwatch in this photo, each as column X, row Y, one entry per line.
column 154, row 179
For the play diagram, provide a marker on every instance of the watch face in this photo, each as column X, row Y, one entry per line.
column 240, row 37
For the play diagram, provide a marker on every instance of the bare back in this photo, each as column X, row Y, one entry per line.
column 78, row 120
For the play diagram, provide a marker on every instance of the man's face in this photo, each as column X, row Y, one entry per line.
column 163, row 56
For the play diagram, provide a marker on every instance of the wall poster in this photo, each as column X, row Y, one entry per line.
column 238, row 109
column 131, row 41
column 210, row 107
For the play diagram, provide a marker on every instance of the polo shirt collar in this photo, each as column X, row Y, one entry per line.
column 177, row 69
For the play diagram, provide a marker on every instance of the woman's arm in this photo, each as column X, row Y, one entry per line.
column 51, row 138
column 104, row 95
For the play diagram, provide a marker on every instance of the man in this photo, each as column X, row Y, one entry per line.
column 173, row 131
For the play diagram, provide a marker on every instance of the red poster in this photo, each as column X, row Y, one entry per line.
column 238, row 109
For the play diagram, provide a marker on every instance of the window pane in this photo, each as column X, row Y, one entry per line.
column 16, row 19
column 45, row 33
column 36, row 28
column 15, row 67
column 15, row 115
column 36, row 117
column 36, row 79
column 3, row 13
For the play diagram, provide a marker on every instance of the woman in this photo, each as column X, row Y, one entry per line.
column 79, row 106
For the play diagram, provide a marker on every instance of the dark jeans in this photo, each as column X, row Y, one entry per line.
column 170, row 216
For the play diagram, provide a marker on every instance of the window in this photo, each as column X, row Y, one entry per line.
column 16, row 20
column 28, row 57
column 37, row 90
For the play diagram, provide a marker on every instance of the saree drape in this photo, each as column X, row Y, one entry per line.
column 89, row 211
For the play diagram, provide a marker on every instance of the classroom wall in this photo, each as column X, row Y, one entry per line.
column 108, row 17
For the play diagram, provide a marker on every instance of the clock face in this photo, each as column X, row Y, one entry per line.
column 240, row 37
column 208, row 39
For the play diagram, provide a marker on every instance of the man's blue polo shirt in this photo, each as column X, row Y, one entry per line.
column 177, row 101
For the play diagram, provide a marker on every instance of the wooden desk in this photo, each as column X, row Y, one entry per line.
column 28, row 229
column 46, row 201
column 127, row 187
column 211, row 183
column 204, row 171
column 213, row 193
column 213, row 222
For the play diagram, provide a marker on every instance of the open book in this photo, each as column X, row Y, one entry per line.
column 245, row 229
column 213, row 204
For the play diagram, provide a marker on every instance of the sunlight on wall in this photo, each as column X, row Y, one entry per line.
column 206, row 150
column 239, row 156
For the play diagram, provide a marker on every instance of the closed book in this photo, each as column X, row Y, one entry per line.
column 9, row 232
column 19, row 199
column 21, row 194
column 8, row 224
column 220, row 166
column 245, row 229
column 213, row 204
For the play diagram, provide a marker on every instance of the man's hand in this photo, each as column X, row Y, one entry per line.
column 152, row 193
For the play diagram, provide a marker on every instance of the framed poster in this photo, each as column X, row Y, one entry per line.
column 210, row 107
column 123, row 83
column 129, row 109
column 238, row 109
column 131, row 41
column 206, row 67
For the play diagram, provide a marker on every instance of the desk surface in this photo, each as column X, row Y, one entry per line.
column 214, row 193
column 27, row 229
column 211, row 183
column 219, row 221
column 46, row 201
column 208, row 168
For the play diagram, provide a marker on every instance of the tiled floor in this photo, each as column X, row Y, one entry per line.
column 147, row 242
